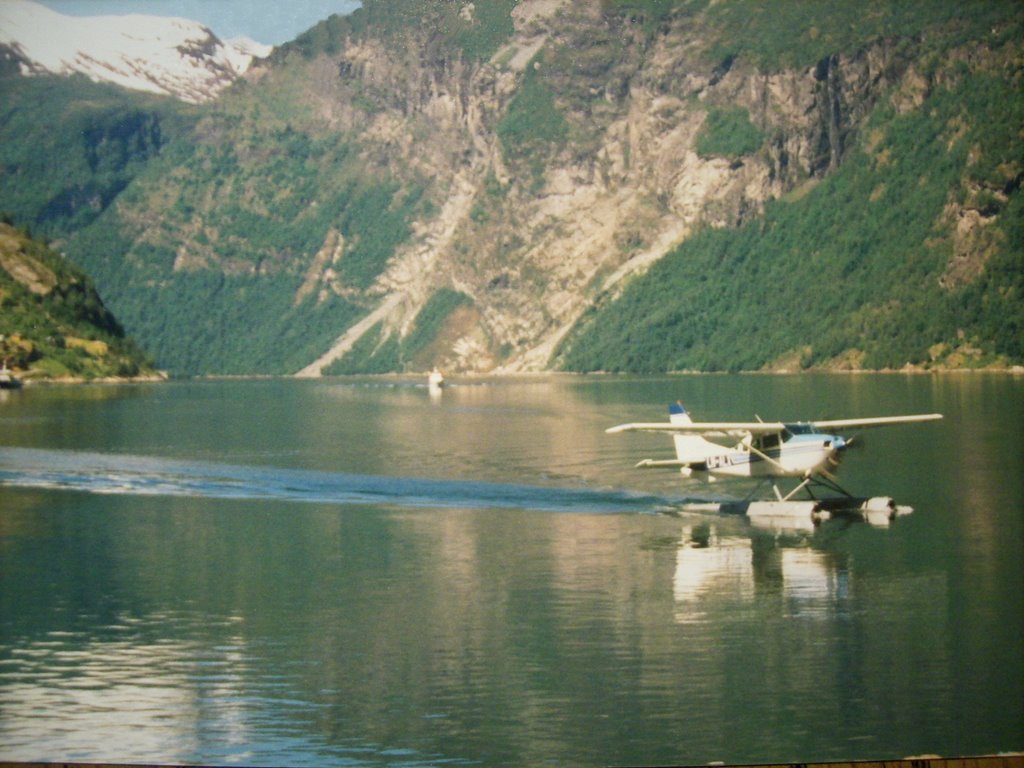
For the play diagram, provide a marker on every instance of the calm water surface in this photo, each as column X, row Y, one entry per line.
column 346, row 572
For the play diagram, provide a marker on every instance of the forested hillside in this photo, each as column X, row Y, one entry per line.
column 618, row 185
column 911, row 253
column 71, row 146
column 52, row 322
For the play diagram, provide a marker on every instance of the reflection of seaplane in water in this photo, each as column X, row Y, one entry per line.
column 724, row 568
column 721, row 568
column 807, row 451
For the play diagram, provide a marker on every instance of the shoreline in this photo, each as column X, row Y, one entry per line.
column 27, row 381
column 163, row 377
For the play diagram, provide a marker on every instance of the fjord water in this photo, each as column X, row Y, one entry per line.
column 356, row 572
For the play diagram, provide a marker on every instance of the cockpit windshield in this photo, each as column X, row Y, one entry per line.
column 801, row 428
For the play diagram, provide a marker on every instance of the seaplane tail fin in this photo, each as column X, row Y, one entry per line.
column 690, row 448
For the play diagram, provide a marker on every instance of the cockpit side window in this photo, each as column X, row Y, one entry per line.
column 767, row 442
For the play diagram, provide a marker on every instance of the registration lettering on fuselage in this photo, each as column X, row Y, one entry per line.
column 714, row 462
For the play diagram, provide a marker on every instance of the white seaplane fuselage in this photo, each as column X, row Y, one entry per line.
column 759, row 449
column 780, row 450
column 792, row 454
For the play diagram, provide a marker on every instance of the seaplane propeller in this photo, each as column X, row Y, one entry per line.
column 838, row 445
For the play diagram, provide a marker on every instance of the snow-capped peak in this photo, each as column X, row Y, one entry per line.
column 172, row 56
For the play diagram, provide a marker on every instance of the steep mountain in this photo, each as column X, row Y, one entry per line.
column 70, row 147
column 52, row 322
column 587, row 185
column 169, row 56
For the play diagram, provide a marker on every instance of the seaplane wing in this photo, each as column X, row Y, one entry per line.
column 878, row 421
column 706, row 429
column 754, row 428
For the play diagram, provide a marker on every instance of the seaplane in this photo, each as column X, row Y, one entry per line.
column 808, row 452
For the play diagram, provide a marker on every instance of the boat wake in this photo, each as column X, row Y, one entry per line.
column 101, row 473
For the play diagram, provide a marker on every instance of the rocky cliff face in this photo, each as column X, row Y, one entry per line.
column 532, row 244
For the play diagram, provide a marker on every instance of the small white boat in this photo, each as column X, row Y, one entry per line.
column 7, row 378
column 435, row 380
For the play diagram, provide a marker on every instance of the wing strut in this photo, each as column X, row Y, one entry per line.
column 767, row 458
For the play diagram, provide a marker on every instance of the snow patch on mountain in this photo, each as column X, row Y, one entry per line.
column 173, row 56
